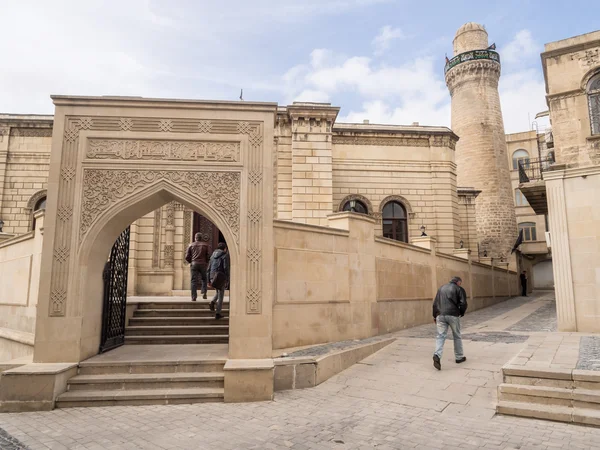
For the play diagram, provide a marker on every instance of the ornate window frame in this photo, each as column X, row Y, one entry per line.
column 30, row 208
column 357, row 197
column 592, row 89
column 399, row 199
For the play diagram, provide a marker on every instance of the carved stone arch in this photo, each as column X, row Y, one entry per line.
column 360, row 198
column 399, row 199
column 587, row 77
column 96, row 242
column 29, row 209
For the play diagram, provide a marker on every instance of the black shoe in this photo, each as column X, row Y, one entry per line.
column 212, row 306
column 204, row 296
column 436, row 362
column 218, row 316
column 461, row 360
column 193, row 299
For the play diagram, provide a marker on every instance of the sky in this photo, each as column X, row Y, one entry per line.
column 381, row 60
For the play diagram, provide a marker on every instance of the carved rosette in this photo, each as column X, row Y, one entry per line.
column 255, row 216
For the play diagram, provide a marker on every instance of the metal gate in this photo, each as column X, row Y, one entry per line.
column 115, row 294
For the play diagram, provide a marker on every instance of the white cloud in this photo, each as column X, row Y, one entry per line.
column 521, row 47
column 522, row 96
column 383, row 40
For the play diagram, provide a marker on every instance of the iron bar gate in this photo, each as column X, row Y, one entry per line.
column 115, row 294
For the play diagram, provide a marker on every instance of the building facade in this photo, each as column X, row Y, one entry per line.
column 567, row 187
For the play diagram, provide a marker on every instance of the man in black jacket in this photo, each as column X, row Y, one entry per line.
column 449, row 306
column 524, row 283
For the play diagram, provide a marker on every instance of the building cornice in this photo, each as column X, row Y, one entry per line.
column 571, row 172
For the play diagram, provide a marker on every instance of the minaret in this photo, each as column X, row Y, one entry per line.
column 472, row 77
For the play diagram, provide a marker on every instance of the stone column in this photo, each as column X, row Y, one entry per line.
column 312, row 178
column 561, row 254
column 472, row 78
column 169, row 249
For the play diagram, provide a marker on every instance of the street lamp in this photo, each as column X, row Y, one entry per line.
column 462, row 244
column 423, row 230
column 1, row 225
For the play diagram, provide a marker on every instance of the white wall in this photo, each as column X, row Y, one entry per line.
column 543, row 278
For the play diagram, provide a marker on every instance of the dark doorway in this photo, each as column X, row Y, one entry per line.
column 210, row 233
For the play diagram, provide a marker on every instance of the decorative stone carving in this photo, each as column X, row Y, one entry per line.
column 205, row 126
column 187, row 228
column 31, row 132
column 163, row 150
column 170, row 215
column 125, row 124
column 382, row 141
column 457, row 75
column 169, row 255
column 157, row 229
column 165, row 125
column 360, row 198
column 104, row 187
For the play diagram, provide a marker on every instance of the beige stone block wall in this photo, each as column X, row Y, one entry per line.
column 25, row 173
column 568, row 64
column 343, row 283
column 423, row 179
column 19, row 281
column 283, row 156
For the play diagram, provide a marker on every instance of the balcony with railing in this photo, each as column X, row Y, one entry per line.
column 531, row 181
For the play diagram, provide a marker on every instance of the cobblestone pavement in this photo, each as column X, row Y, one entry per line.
column 393, row 399
column 589, row 353
column 8, row 442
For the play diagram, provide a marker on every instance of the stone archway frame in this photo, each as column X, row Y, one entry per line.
column 29, row 209
column 114, row 160
column 360, row 198
column 399, row 199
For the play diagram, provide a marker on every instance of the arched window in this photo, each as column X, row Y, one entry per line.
column 355, row 206
column 40, row 204
column 520, row 155
column 593, row 92
column 529, row 233
column 395, row 225
column 520, row 199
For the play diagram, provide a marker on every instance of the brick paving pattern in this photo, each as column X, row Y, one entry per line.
column 335, row 346
column 394, row 399
column 589, row 353
column 544, row 319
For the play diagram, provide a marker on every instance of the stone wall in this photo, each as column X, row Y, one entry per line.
column 19, row 281
column 355, row 285
column 24, row 161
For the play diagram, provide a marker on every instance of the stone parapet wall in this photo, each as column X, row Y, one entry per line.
column 19, row 280
column 341, row 283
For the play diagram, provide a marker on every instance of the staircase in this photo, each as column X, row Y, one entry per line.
column 146, row 383
column 560, row 395
column 177, row 322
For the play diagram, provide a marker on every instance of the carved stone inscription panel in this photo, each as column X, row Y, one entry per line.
column 163, row 150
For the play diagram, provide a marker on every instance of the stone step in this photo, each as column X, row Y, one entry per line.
column 176, row 330
column 139, row 397
column 179, row 339
column 557, row 413
column 533, row 381
column 177, row 305
column 189, row 312
column 146, row 381
column 542, row 395
column 161, row 321
column 149, row 367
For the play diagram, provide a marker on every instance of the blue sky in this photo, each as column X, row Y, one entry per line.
column 380, row 60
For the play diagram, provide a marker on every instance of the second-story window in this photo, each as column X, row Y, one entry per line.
column 520, row 155
column 529, row 233
column 593, row 92
column 520, row 199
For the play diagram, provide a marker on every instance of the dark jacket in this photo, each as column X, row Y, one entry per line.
column 523, row 279
column 451, row 300
column 213, row 264
column 197, row 253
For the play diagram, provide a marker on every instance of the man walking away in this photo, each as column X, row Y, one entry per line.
column 524, row 283
column 197, row 255
column 218, row 277
column 449, row 306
